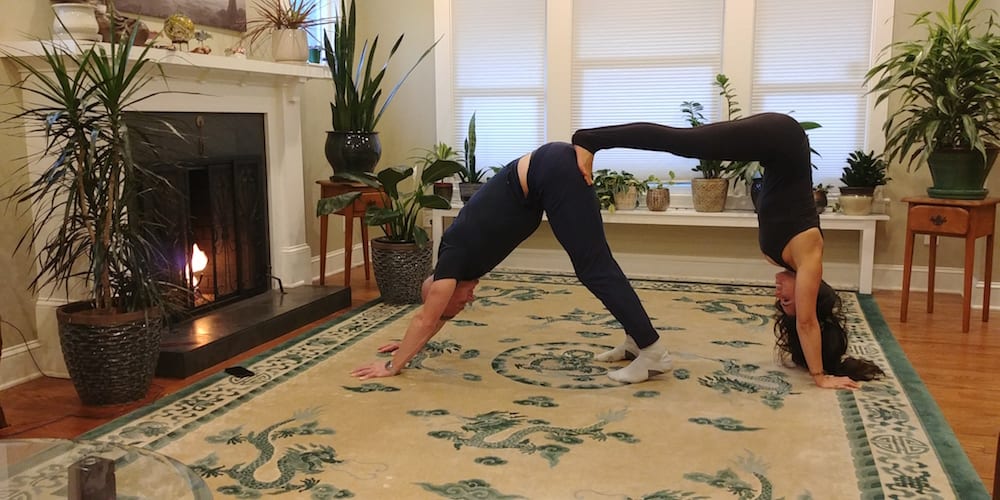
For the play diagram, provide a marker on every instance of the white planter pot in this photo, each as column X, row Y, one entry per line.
column 75, row 21
column 855, row 204
column 289, row 46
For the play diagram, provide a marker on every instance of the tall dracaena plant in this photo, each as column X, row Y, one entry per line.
column 357, row 90
column 948, row 83
column 86, row 198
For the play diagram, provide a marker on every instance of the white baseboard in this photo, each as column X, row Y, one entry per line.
column 16, row 365
column 756, row 271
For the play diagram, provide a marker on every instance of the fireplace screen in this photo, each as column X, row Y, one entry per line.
column 211, row 226
column 212, row 229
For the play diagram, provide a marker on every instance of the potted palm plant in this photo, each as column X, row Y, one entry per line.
column 402, row 258
column 948, row 85
column 862, row 174
column 353, row 145
column 85, row 196
column 285, row 22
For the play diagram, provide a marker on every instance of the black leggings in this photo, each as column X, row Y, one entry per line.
column 574, row 213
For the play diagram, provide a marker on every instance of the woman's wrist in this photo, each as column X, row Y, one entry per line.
column 817, row 374
column 389, row 367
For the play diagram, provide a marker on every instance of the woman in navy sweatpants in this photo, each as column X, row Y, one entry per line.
column 502, row 214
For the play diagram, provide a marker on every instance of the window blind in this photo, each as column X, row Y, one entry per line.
column 639, row 60
column 498, row 65
column 810, row 58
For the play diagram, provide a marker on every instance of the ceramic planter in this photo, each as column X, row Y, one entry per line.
column 627, row 200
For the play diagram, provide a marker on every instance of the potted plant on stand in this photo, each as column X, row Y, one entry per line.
column 863, row 172
column 440, row 151
column 85, row 197
column 949, row 91
column 402, row 258
column 285, row 22
column 472, row 177
column 353, row 144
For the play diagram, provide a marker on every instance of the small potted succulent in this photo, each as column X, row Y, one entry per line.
column 863, row 172
column 820, row 193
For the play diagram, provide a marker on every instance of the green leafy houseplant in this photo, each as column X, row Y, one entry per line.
column 864, row 170
column 947, row 82
column 399, row 215
column 948, row 87
column 610, row 185
column 86, row 206
column 357, row 104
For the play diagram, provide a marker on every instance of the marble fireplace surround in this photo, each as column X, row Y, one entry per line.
column 217, row 84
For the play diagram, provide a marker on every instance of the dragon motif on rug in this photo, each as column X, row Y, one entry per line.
column 486, row 430
column 297, row 459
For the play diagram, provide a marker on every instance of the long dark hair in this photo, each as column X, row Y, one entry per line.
column 834, row 339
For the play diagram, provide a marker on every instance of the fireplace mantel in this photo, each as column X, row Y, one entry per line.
column 219, row 84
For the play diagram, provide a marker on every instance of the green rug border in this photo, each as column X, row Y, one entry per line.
column 965, row 481
column 211, row 379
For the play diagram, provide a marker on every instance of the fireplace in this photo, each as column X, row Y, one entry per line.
column 210, row 225
column 270, row 95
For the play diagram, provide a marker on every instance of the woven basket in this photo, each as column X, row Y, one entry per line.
column 111, row 358
column 400, row 270
column 658, row 199
column 709, row 195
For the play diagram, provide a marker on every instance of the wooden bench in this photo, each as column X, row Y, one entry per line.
column 865, row 224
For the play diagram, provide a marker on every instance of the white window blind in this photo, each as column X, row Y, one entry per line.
column 639, row 60
column 810, row 58
column 498, row 63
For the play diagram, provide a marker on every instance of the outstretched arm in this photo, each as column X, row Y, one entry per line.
column 424, row 325
column 808, row 276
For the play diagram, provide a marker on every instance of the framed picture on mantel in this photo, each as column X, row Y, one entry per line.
column 226, row 14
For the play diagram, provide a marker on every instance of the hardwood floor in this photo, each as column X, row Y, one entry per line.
column 959, row 369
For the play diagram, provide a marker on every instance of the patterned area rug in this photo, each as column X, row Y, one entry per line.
column 508, row 402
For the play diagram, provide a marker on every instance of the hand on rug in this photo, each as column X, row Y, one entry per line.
column 375, row 369
column 832, row 382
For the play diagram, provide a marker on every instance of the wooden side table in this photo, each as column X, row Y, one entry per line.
column 969, row 219
column 369, row 196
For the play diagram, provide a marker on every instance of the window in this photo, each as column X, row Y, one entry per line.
column 638, row 62
column 810, row 59
column 535, row 70
column 498, row 62
column 325, row 9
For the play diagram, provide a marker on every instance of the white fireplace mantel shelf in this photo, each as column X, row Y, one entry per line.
column 199, row 67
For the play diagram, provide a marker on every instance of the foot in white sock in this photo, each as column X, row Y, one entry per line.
column 653, row 360
column 629, row 350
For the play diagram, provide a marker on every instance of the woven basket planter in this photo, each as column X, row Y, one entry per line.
column 658, row 199
column 400, row 270
column 111, row 357
column 709, row 195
